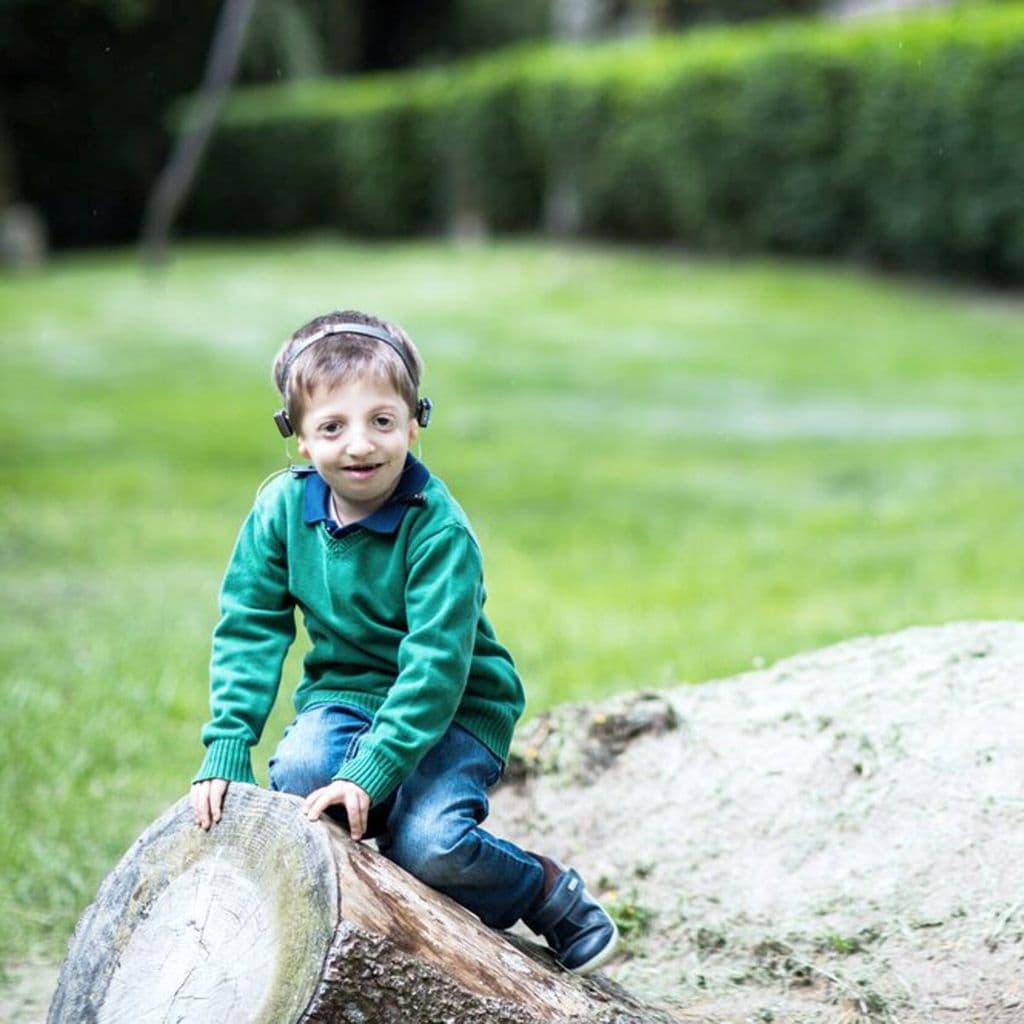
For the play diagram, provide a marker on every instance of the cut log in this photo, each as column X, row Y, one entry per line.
column 273, row 919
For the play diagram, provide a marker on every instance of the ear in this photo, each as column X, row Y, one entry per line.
column 302, row 447
column 414, row 431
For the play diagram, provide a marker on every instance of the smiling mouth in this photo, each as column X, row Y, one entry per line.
column 362, row 469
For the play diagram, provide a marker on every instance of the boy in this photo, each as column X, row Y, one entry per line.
column 407, row 702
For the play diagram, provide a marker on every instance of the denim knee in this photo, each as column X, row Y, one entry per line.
column 314, row 746
column 436, row 857
column 300, row 773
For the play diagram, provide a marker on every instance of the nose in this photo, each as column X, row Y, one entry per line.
column 359, row 442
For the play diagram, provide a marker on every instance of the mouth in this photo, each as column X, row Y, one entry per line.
column 362, row 470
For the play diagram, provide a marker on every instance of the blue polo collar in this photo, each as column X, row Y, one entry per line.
column 387, row 519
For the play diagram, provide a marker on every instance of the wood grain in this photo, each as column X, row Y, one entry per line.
column 271, row 919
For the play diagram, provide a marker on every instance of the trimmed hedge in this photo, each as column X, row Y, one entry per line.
column 900, row 140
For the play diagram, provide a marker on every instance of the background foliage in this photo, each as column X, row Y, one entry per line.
column 86, row 85
column 899, row 141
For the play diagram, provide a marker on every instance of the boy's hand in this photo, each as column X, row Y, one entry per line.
column 355, row 799
column 208, row 801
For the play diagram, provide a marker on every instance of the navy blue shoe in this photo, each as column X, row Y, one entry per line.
column 577, row 928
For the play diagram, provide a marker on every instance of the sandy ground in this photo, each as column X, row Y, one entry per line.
column 834, row 839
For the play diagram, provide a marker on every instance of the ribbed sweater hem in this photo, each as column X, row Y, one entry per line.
column 379, row 776
column 359, row 698
column 493, row 729
column 376, row 774
column 227, row 759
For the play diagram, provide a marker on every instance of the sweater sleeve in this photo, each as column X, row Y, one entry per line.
column 256, row 628
column 444, row 598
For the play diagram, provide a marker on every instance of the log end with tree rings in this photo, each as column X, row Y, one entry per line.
column 269, row 918
column 233, row 924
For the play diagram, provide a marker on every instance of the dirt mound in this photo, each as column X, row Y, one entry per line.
column 832, row 839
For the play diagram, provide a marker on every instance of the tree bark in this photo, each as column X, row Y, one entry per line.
column 270, row 918
column 175, row 180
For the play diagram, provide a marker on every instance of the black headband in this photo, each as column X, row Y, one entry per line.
column 368, row 331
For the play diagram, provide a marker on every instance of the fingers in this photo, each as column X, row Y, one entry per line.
column 207, row 799
column 357, row 806
column 200, row 799
column 218, row 789
column 355, row 800
column 319, row 800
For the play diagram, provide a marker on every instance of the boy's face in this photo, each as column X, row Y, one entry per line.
column 357, row 435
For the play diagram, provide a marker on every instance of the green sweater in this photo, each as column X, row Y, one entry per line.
column 394, row 610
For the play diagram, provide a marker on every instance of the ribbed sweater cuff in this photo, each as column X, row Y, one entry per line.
column 227, row 759
column 372, row 772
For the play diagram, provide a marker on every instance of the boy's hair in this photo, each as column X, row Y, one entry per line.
column 336, row 358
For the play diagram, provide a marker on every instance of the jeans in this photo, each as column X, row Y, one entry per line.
column 430, row 825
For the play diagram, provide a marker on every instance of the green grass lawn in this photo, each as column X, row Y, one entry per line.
column 676, row 469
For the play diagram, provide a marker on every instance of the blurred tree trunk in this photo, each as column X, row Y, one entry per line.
column 174, row 182
column 6, row 164
column 284, row 42
column 574, row 21
column 577, row 20
column 23, row 241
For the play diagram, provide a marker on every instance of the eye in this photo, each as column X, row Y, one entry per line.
column 384, row 421
column 331, row 429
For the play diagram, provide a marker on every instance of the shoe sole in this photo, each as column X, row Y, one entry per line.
column 599, row 959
